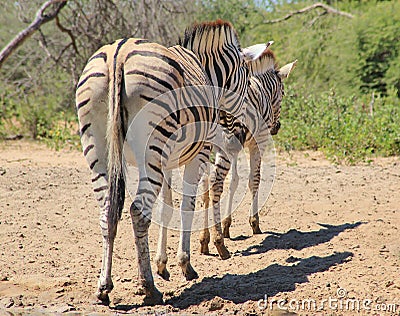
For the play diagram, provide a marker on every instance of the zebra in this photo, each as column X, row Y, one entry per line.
column 262, row 116
column 118, row 82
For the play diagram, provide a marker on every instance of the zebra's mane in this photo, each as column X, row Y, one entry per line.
column 266, row 62
column 209, row 36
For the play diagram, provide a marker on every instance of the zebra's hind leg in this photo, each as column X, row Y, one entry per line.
column 93, row 140
column 205, row 195
column 105, row 284
column 166, row 210
column 141, row 213
column 254, row 183
column 226, row 223
column 191, row 177
column 108, row 224
column 217, row 178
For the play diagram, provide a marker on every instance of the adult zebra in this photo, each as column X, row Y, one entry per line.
column 133, row 80
column 262, row 116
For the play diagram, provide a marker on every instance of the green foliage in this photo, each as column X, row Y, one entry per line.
column 41, row 110
column 378, row 41
column 346, row 129
column 61, row 132
column 341, row 63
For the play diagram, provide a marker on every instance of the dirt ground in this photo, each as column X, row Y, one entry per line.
column 331, row 242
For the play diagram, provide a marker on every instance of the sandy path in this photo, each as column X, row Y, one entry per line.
column 326, row 228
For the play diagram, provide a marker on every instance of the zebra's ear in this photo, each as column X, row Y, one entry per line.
column 255, row 51
column 284, row 72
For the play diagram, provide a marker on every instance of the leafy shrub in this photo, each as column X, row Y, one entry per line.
column 346, row 129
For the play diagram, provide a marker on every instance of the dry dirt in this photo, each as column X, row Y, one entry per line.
column 331, row 234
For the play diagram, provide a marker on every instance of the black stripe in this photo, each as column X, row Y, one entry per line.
column 102, row 188
column 158, row 150
column 197, row 118
column 163, row 131
column 155, row 168
column 164, row 58
column 218, row 72
column 174, row 115
column 204, row 154
column 99, row 55
column 82, row 104
column 154, row 182
column 194, row 147
column 100, row 175
column 93, row 164
column 172, row 75
column 93, row 75
column 84, row 128
column 152, row 77
column 219, row 166
column 87, row 149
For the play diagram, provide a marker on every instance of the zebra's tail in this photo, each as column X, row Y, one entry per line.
column 115, row 139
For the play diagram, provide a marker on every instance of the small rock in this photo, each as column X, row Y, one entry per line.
column 216, row 304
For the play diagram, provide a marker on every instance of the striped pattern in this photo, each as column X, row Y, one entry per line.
column 262, row 119
column 115, row 89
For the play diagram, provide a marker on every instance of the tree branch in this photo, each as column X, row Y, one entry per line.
column 70, row 34
column 40, row 19
column 327, row 8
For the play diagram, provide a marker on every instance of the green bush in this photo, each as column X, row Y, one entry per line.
column 346, row 129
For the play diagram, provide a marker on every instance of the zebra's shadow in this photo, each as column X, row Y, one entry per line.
column 295, row 239
column 269, row 281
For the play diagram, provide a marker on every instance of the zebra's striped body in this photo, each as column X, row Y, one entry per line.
column 133, row 90
column 262, row 119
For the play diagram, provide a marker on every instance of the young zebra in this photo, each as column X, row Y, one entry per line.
column 262, row 118
column 133, row 80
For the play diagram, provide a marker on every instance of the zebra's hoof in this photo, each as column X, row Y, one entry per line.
column 190, row 273
column 155, row 297
column 223, row 252
column 204, row 249
column 164, row 274
column 256, row 230
column 102, row 299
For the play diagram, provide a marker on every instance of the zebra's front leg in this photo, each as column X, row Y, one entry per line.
column 166, row 210
column 141, row 217
column 254, row 183
column 217, row 178
column 226, row 223
column 205, row 233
